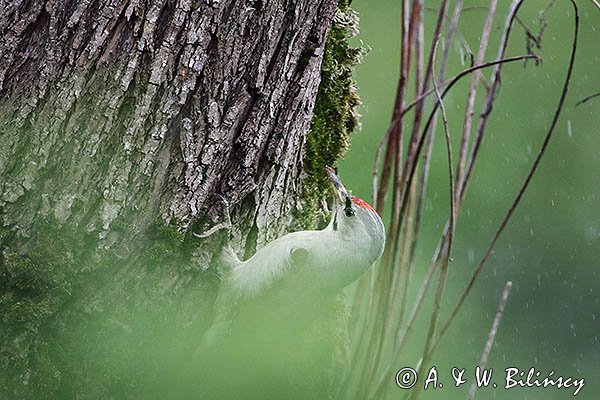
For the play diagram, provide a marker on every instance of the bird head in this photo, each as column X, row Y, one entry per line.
column 355, row 219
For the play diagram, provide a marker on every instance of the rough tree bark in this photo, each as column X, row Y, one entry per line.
column 120, row 122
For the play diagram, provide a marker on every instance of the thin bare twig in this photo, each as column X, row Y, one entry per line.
column 367, row 341
column 457, row 78
column 489, row 104
column 446, row 82
column 481, row 129
column 412, row 226
column 536, row 39
column 388, row 271
column 452, row 29
column 402, row 333
column 413, row 154
column 403, row 275
column 375, row 173
column 525, row 184
column 491, row 336
column 586, row 99
column 386, row 274
column 403, row 191
column 410, row 176
column 441, row 247
column 406, row 206
column 470, row 107
column 394, row 138
column 444, row 271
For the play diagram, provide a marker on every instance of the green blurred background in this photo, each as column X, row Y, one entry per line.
column 550, row 248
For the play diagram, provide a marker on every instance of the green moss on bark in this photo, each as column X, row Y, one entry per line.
column 35, row 281
column 49, row 347
column 335, row 114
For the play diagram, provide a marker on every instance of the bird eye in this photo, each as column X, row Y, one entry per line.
column 348, row 208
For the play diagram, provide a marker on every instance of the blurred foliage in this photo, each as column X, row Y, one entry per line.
column 34, row 283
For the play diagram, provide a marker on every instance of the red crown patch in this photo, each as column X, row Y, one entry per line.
column 363, row 204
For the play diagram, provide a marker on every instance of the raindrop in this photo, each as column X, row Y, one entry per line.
column 569, row 129
column 573, row 329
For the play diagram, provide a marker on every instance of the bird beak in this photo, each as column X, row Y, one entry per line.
column 337, row 184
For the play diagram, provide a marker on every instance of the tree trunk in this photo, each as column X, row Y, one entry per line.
column 120, row 123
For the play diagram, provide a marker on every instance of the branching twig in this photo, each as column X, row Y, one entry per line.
column 525, row 184
column 489, row 104
column 441, row 247
column 380, row 303
column 470, row 107
column 436, row 106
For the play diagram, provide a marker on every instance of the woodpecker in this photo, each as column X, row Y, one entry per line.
column 288, row 278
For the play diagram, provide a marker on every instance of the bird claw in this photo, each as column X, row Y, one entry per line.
column 223, row 225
